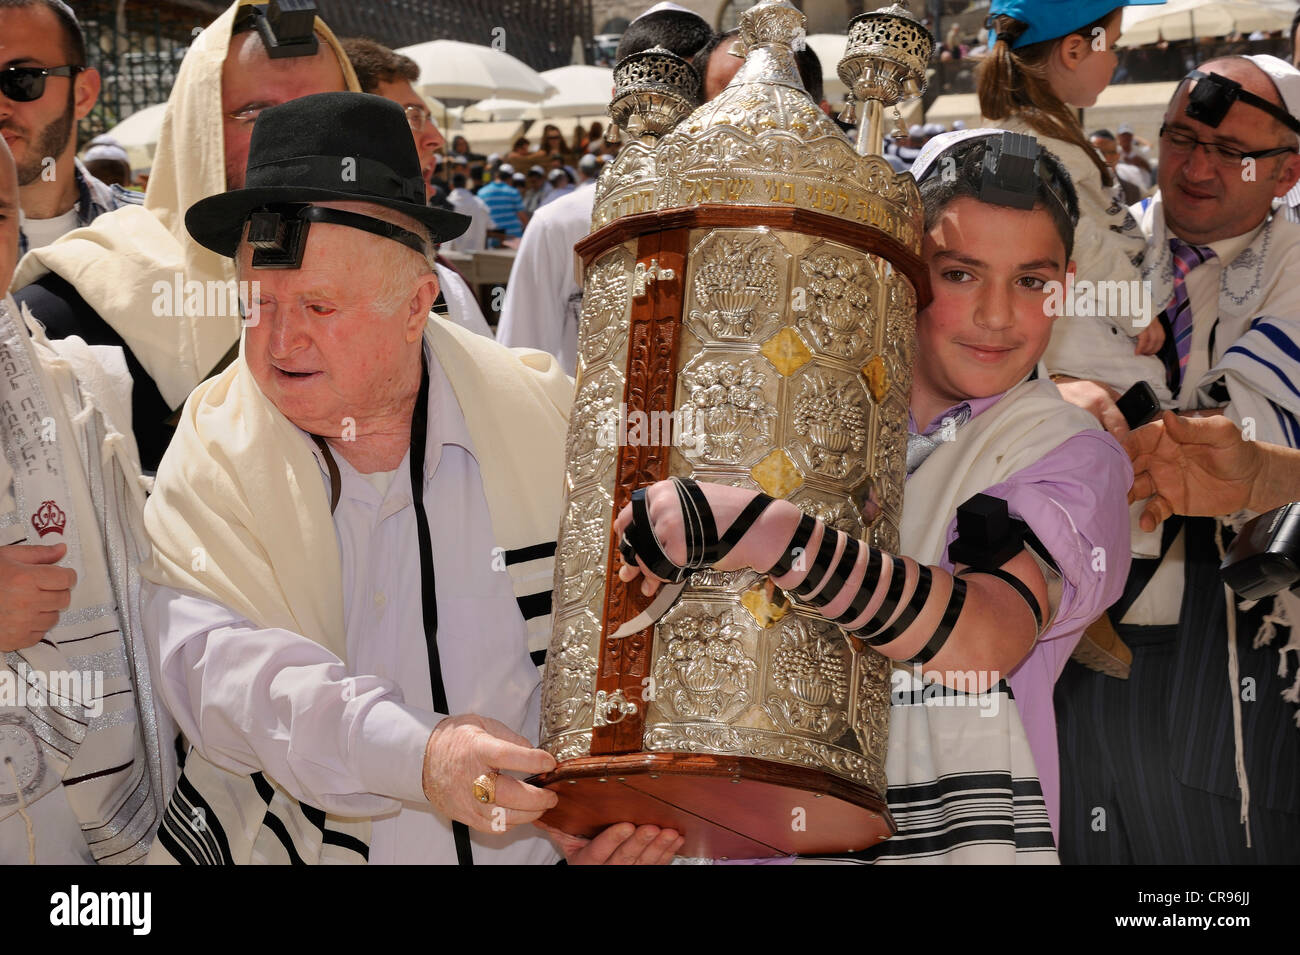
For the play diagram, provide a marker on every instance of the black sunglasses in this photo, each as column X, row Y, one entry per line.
column 26, row 84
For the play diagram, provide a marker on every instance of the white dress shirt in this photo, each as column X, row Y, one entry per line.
column 474, row 239
column 1161, row 601
column 350, row 737
column 462, row 307
column 543, row 298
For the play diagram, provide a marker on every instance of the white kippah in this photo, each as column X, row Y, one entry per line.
column 1284, row 76
column 664, row 8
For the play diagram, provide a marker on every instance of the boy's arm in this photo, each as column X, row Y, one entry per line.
column 1074, row 499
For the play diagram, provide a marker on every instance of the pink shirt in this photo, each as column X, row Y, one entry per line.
column 1075, row 499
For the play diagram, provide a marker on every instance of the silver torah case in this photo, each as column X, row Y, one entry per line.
column 750, row 291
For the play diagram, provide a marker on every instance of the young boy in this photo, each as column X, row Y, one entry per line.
column 999, row 223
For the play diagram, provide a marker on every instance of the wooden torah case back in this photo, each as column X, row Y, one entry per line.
column 748, row 317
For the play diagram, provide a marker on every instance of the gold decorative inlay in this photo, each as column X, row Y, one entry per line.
column 757, row 599
column 786, row 351
column 877, row 378
column 776, row 474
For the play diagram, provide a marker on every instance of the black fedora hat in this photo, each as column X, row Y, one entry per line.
column 324, row 147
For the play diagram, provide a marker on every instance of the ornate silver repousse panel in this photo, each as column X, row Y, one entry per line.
column 728, row 404
column 592, row 445
column 703, row 669
column 808, row 678
column 736, row 286
column 605, row 304
column 571, row 669
column 840, row 288
column 831, row 422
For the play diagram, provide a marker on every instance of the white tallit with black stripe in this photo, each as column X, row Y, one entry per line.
column 962, row 784
column 240, row 482
column 70, row 474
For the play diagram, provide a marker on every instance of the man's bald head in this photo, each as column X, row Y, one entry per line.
column 251, row 81
column 8, row 217
column 1253, row 80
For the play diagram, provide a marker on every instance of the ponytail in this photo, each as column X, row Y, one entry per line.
column 1014, row 83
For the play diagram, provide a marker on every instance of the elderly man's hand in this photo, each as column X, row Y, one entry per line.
column 462, row 748
column 1095, row 397
column 620, row 844
column 1199, row 466
column 32, row 592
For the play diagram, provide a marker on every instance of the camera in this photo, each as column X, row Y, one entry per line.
column 1265, row 557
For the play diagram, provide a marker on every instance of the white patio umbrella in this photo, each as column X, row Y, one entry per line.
column 138, row 134
column 488, row 138
column 579, row 91
column 496, row 109
column 1188, row 19
column 450, row 69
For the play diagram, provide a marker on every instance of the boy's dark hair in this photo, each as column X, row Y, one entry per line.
column 945, row 182
column 74, row 41
column 677, row 31
column 459, row 180
column 375, row 63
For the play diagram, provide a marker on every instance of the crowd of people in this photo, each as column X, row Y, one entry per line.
column 278, row 508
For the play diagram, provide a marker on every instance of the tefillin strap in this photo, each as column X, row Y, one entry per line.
column 827, row 577
column 796, row 548
column 1213, row 95
column 704, row 547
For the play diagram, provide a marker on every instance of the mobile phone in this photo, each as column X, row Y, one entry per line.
column 1138, row 405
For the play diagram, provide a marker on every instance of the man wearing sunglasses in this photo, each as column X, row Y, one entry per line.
column 45, row 88
column 1196, row 757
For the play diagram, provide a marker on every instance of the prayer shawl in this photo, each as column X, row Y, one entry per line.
column 240, row 516
column 1253, row 346
column 128, row 263
column 963, row 787
column 70, row 474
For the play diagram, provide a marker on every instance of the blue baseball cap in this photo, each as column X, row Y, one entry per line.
column 1049, row 19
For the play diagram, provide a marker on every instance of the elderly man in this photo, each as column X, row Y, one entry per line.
column 1196, row 758
column 354, row 534
column 134, row 279
column 86, row 759
column 45, row 88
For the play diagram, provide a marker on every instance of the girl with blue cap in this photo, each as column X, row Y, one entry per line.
column 1047, row 59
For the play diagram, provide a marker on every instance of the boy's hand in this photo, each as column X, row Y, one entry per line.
column 759, row 547
column 1150, row 339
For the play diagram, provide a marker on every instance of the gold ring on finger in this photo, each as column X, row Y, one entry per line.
column 485, row 787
